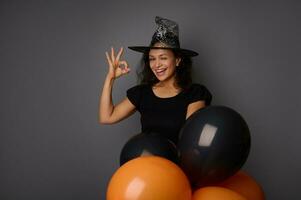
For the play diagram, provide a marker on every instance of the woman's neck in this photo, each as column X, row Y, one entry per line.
column 168, row 84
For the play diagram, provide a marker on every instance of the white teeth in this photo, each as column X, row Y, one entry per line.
column 161, row 70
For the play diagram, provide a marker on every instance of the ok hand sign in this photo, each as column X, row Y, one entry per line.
column 117, row 67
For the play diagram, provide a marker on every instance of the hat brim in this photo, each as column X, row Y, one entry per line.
column 145, row 49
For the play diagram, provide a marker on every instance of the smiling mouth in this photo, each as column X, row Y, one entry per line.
column 160, row 72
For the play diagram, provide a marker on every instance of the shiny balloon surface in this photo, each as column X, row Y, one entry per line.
column 149, row 178
column 214, row 144
column 148, row 144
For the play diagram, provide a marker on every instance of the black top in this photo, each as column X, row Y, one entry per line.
column 165, row 115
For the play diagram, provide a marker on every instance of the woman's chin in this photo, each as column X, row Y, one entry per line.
column 160, row 78
column 163, row 77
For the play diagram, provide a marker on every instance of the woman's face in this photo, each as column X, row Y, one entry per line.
column 163, row 63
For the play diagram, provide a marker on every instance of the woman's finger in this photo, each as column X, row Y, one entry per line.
column 123, row 64
column 112, row 55
column 119, row 54
column 126, row 70
column 108, row 59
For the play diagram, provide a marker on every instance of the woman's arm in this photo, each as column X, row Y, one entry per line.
column 108, row 113
column 194, row 107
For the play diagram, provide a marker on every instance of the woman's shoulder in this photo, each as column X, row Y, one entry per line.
column 198, row 91
column 137, row 90
column 196, row 87
column 135, row 94
column 138, row 87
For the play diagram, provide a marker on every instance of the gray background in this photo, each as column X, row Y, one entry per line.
column 53, row 66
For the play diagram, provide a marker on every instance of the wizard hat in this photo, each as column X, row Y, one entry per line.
column 166, row 36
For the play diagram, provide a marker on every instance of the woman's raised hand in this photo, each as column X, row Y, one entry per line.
column 117, row 67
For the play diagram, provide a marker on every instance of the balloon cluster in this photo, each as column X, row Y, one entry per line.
column 214, row 144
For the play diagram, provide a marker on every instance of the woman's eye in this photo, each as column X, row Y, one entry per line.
column 151, row 59
column 164, row 58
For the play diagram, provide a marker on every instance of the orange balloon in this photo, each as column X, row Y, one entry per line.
column 149, row 178
column 216, row 193
column 245, row 185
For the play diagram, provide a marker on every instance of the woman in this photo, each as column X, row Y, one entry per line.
column 166, row 96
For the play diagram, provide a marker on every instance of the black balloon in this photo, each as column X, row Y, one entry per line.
column 214, row 144
column 145, row 144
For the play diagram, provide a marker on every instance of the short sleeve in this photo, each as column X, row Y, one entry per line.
column 134, row 95
column 199, row 92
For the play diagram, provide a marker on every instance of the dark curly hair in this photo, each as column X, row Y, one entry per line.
column 183, row 71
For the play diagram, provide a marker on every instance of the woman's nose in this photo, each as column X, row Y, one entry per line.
column 158, row 63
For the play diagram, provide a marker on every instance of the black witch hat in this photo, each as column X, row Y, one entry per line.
column 166, row 36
